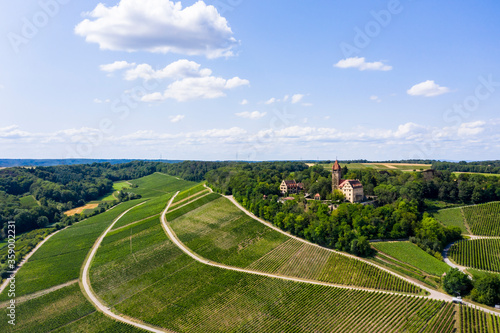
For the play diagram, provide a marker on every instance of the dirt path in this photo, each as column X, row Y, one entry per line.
column 6, row 282
column 449, row 262
column 173, row 237
column 39, row 293
column 87, row 289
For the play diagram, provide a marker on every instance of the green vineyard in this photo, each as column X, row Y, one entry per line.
column 220, row 232
column 158, row 284
column 483, row 220
column 478, row 253
column 477, row 321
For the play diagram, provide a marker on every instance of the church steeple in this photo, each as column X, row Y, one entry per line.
column 336, row 176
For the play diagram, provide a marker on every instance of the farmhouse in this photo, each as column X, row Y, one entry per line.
column 291, row 186
column 351, row 188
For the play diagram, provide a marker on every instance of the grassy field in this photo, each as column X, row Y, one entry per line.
column 478, row 253
column 155, row 282
column 219, row 231
column 28, row 202
column 483, row 220
column 60, row 258
column 451, row 217
column 117, row 186
column 64, row 310
column 382, row 166
column 159, row 183
column 413, row 255
column 190, row 192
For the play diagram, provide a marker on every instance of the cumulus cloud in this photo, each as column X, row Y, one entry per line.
column 197, row 88
column 160, row 26
column 297, row 98
column 251, row 115
column 244, row 102
column 375, row 98
column 100, row 101
column 176, row 70
column 272, row 100
column 362, row 64
column 472, row 128
column 176, row 119
column 428, row 88
column 116, row 66
column 190, row 81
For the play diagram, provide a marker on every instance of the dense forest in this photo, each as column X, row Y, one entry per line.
column 478, row 167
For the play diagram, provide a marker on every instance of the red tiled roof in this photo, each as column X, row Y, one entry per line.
column 354, row 183
column 336, row 166
column 290, row 182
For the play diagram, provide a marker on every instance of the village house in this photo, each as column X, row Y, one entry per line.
column 291, row 187
column 351, row 188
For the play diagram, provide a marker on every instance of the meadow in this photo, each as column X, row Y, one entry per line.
column 451, row 217
column 414, row 256
column 28, row 202
column 483, row 220
column 220, row 232
column 478, row 253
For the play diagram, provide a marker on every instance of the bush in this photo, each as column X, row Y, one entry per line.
column 457, row 283
column 487, row 290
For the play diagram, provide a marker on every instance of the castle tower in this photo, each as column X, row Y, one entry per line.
column 336, row 176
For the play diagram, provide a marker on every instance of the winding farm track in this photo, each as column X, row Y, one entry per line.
column 433, row 294
column 87, row 289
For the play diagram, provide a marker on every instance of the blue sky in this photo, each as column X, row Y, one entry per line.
column 250, row 80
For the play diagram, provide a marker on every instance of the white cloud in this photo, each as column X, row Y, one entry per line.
column 471, row 129
column 117, row 65
column 361, row 64
column 271, row 101
column 297, row 98
column 159, row 26
column 375, row 98
column 286, row 98
column 176, row 70
column 244, row 102
column 251, row 115
column 428, row 88
column 176, row 119
column 197, row 88
column 100, row 101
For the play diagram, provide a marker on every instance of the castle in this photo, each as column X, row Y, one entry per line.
column 352, row 189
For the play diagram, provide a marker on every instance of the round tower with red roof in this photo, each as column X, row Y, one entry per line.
column 336, row 176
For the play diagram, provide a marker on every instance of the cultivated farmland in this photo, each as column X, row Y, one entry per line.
column 155, row 282
column 222, row 233
column 478, row 253
column 451, row 217
column 483, row 220
column 64, row 310
column 60, row 258
column 473, row 320
column 413, row 255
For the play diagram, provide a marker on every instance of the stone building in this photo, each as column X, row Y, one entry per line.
column 351, row 188
column 290, row 187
